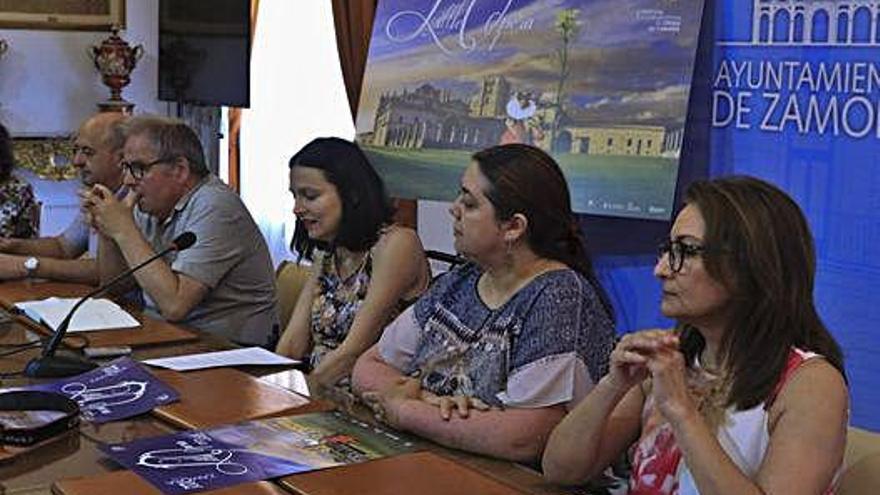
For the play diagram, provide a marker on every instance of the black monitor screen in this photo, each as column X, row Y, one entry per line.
column 204, row 52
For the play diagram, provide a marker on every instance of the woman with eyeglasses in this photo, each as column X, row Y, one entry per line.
column 497, row 350
column 747, row 395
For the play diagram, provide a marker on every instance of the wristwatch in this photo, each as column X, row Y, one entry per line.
column 30, row 265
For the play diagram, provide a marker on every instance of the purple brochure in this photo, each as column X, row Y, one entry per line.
column 119, row 389
column 194, row 461
column 227, row 455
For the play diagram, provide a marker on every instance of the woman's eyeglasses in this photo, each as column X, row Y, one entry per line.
column 677, row 251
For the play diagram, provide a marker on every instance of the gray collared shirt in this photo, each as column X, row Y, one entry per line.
column 229, row 256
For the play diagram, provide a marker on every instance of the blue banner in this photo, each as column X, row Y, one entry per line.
column 795, row 95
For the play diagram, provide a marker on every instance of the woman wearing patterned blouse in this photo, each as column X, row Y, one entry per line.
column 364, row 271
column 497, row 350
column 748, row 395
column 18, row 206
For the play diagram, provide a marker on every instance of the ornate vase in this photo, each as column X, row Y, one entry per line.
column 115, row 59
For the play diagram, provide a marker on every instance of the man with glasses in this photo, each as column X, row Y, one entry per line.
column 224, row 283
column 97, row 153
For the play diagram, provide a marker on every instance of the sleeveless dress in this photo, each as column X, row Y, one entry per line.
column 658, row 467
column 336, row 302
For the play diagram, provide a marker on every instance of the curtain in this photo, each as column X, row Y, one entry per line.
column 295, row 88
column 354, row 25
column 234, row 158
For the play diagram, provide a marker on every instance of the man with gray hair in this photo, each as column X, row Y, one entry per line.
column 97, row 152
column 224, row 283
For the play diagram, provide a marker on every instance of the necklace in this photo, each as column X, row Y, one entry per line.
column 348, row 263
column 710, row 389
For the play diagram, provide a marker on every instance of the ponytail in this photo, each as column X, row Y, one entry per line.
column 524, row 179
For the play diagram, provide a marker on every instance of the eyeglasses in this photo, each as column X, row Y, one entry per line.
column 677, row 251
column 138, row 169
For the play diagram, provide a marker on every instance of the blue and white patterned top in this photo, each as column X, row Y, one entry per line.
column 548, row 344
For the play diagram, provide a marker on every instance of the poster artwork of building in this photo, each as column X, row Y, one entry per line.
column 602, row 85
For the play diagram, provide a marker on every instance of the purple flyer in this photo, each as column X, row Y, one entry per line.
column 194, row 461
column 120, row 389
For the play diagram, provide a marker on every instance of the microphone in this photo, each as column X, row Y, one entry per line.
column 50, row 365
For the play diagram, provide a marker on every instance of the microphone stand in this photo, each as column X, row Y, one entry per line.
column 50, row 365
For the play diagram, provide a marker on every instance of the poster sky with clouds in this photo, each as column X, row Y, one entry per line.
column 615, row 127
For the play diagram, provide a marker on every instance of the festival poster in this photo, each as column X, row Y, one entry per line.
column 194, row 461
column 602, row 85
column 120, row 389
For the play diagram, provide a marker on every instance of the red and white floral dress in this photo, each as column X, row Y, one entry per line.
column 657, row 464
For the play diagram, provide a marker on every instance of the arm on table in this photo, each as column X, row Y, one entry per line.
column 175, row 294
column 51, row 247
column 122, row 245
column 517, row 434
column 399, row 272
column 296, row 340
column 608, row 420
column 594, row 434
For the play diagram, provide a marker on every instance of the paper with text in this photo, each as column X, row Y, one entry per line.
column 94, row 314
column 235, row 357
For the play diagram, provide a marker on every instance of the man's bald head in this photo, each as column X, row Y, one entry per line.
column 98, row 149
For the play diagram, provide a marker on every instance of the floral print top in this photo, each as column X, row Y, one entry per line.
column 18, row 209
column 335, row 304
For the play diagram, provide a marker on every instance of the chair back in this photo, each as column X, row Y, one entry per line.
column 861, row 475
column 290, row 278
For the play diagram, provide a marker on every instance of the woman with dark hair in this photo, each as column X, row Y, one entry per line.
column 365, row 269
column 18, row 206
column 747, row 395
column 497, row 350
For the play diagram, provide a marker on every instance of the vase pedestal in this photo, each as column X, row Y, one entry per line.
column 117, row 106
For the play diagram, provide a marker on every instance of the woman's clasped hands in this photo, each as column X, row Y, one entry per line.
column 654, row 354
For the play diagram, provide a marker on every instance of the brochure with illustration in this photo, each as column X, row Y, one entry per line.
column 194, row 461
column 119, row 389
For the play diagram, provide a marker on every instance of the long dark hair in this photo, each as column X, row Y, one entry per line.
column 524, row 179
column 366, row 207
column 7, row 160
column 760, row 248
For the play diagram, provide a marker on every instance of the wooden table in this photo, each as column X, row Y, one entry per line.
column 77, row 455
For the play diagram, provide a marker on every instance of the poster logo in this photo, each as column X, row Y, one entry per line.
column 813, row 22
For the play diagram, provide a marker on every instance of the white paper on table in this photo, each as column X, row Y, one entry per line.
column 235, row 357
column 294, row 380
column 94, row 314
